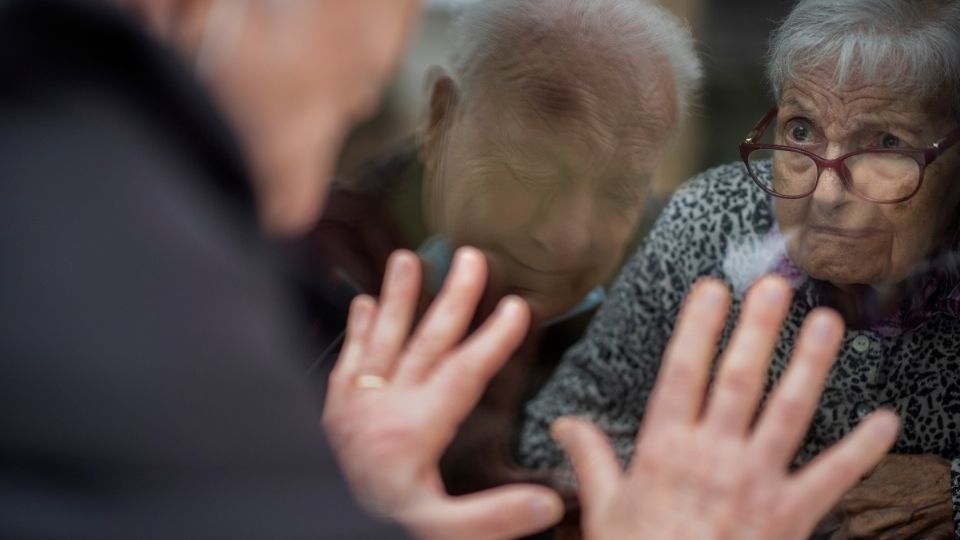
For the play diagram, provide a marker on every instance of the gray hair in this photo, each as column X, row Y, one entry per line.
column 635, row 28
column 912, row 46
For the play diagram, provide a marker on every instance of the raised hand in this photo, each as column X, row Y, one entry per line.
column 395, row 401
column 703, row 468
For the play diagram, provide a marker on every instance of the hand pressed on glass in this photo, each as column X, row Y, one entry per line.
column 395, row 401
column 702, row 468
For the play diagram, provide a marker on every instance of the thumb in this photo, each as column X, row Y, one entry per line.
column 500, row 513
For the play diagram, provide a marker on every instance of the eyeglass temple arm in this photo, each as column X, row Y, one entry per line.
column 945, row 143
column 761, row 125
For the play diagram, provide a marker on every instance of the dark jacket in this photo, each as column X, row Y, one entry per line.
column 151, row 371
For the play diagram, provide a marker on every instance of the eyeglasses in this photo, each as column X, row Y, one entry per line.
column 879, row 175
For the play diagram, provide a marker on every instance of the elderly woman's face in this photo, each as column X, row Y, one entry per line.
column 552, row 203
column 836, row 236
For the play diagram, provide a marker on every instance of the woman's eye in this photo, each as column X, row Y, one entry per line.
column 799, row 133
column 891, row 141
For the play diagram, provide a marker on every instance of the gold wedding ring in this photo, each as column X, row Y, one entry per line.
column 370, row 382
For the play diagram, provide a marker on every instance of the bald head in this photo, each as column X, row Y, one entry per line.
column 540, row 145
column 569, row 57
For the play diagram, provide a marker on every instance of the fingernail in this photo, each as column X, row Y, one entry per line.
column 558, row 429
column 546, row 510
column 361, row 314
column 887, row 425
column 401, row 265
column 823, row 325
column 464, row 258
column 772, row 291
column 714, row 293
column 509, row 305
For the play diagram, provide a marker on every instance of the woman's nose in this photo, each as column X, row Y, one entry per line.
column 831, row 189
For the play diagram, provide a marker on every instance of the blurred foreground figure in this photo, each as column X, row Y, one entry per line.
column 151, row 380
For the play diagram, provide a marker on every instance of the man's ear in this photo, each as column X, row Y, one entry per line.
column 442, row 99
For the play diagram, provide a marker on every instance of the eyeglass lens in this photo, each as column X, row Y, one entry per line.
column 875, row 175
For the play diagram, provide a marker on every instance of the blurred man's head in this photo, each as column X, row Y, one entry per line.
column 293, row 77
column 540, row 146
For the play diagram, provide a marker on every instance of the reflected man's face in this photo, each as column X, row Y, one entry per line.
column 837, row 236
column 552, row 202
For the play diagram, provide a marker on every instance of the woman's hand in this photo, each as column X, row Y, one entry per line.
column 906, row 496
column 706, row 469
column 395, row 401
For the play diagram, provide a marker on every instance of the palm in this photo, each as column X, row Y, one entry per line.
column 395, row 401
column 706, row 469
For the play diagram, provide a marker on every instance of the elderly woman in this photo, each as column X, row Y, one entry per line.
column 849, row 188
column 150, row 381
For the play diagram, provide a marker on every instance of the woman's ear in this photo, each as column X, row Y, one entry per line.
column 442, row 99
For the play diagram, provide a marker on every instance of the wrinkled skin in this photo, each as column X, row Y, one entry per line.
column 552, row 198
column 838, row 237
column 906, row 496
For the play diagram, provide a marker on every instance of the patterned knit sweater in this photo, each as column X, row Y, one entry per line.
column 720, row 224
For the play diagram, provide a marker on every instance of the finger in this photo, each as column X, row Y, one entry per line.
column 398, row 302
column 819, row 485
column 681, row 384
column 497, row 514
column 786, row 418
column 448, row 318
column 743, row 366
column 362, row 312
column 459, row 381
column 593, row 459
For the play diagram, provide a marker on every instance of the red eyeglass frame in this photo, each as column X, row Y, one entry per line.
column 923, row 157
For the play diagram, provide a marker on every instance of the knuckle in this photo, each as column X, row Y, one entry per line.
column 380, row 350
column 739, row 380
column 427, row 344
column 846, row 468
column 680, row 372
column 791, row 411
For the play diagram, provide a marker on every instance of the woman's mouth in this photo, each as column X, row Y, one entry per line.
column 845, row 232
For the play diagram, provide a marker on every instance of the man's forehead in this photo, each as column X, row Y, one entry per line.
column 553, row 96
column 548, row 102
column 541, row 147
